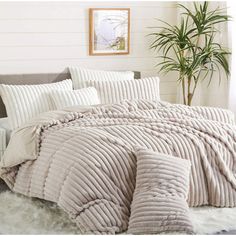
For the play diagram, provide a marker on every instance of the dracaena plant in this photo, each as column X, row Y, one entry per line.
column 190, row 48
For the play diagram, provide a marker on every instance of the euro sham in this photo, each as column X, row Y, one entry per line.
column 81, row 75
column 160, row 197
column 115, row 91
column 23, row 102
column 85, row 96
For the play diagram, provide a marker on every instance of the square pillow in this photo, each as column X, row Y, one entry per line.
column 116, row 91
column 23, row 102
column 160, row 196
column 64, row 98
column 81, row 75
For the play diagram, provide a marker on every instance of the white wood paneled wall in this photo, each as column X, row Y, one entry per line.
column 37, row 37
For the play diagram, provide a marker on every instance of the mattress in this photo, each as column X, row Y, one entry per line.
column 5, row 125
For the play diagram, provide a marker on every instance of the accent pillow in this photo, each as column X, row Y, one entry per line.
column 85, row 96
column 160, row 196
column 23, row 102
column 116, row 91
column 81, row 75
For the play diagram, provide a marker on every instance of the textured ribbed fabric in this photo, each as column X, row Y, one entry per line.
column 23, row 102
column 85, row 96
column 81, row 75
column 2, row 142
column 159, row 201
column 85, row 162
column 115, row 91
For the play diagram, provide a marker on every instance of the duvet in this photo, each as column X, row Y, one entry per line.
column 83, row 158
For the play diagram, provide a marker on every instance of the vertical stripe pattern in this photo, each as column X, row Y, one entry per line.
column 80, row 76
column 159, row 201
column 85, row 96
column 116, row 91
column 23, row 102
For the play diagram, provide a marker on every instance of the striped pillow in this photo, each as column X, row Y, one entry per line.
column 116, row 91
column 85, row 96
column 23, row 102
column 160, row 196
column 81, row 75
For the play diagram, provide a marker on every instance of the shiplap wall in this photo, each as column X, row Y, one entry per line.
column 37, row 37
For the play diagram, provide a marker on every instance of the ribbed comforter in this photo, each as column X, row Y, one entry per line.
column 84, row 160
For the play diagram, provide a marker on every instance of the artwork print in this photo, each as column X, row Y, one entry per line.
column 109, row 31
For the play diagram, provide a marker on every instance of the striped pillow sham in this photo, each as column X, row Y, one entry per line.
column 23, row 102
column 85, row 96
column 81, row 75
column 160, row 197
column 116, row 91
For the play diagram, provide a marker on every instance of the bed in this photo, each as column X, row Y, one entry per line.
column 109, row 208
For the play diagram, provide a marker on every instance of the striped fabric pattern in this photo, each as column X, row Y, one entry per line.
column 115, row 91
column 2, row 142
column 85, row 96
column 23, row 102
column 86, row 161
column 81, row 75
column 160, row 197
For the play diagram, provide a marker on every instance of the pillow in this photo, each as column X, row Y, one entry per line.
column 116, row 91
column 81, row 75
column 85, row 96
column 23, row 102
column 159, row 200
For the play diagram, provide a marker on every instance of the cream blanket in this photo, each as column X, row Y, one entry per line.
column 83, row 159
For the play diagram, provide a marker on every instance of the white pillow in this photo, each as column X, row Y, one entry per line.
column 85, row 96
column 81, row 75
column 113, row 92
column 23, row 102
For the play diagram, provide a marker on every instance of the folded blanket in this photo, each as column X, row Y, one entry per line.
column 84, row 159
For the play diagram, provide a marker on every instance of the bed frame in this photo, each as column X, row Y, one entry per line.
column 23, row 79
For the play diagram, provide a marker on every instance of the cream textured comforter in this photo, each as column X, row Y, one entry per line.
column 83, row 158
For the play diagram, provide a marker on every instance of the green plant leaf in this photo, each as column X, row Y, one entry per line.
column 190, row 47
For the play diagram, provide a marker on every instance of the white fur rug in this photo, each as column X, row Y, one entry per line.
column 21, row 215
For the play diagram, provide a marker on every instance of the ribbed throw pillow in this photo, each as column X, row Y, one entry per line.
column 81, row 75
column 85, row 96
column 159, row 200
column 23, row 102
column 116, row 91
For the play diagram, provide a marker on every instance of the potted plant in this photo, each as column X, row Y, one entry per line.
column 190, row 47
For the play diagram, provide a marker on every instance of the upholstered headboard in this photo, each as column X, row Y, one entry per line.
column 36, row 79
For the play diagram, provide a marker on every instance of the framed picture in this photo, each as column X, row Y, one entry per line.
column 109, row 31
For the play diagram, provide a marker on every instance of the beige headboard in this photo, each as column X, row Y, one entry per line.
column 36, row 79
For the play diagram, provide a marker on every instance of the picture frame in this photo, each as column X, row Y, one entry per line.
column 109, row 31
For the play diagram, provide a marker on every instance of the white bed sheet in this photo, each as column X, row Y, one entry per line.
column 4, row 124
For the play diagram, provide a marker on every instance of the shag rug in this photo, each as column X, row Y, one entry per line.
column 21, row 215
